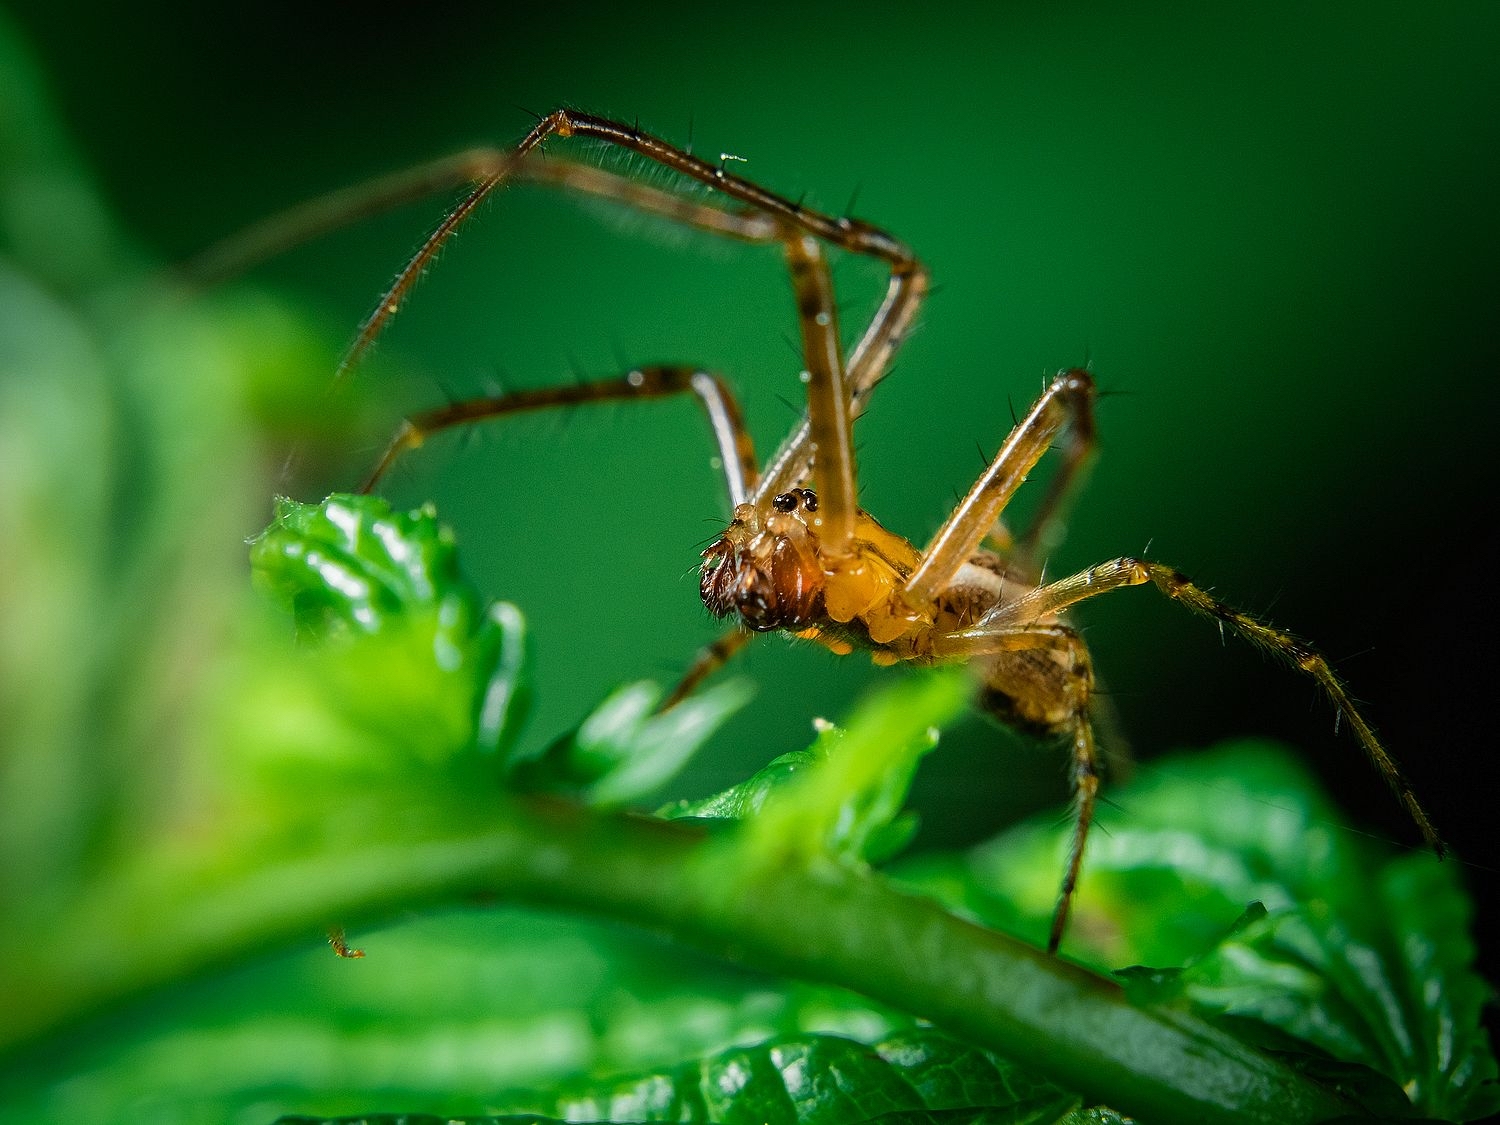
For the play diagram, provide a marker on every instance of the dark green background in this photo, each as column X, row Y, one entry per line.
column 1272, row 227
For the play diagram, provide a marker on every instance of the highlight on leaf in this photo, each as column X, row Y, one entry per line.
column 919, row 1075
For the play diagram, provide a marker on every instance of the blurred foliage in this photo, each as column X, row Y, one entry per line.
column 193, row 779
column 134, row 429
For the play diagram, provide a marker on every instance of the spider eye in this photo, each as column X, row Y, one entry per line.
column 786, row 502
column 809, row 499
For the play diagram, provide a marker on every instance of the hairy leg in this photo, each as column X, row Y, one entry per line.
column 736, row 453
column 1124, row 572
column 1068, row 397
column 1054, row 695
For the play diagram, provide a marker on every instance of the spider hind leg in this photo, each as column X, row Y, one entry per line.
column 1046, row 692
column 1123, row 572
column 1039, row 679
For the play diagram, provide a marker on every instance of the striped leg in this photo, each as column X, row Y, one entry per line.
column 1038, row 677
column 1122, row 572
column 736, row 453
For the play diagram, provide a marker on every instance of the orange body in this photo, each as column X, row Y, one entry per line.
column 770, row 569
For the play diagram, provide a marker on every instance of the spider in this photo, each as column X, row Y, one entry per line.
column 799, row 555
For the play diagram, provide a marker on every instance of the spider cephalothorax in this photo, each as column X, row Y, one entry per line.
column 765, row 566
column 775, row 570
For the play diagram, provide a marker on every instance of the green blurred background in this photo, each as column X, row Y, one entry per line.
column 1270, row 227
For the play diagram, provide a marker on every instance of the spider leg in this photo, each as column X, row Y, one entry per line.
column 992, row 640
column 880, row 339
column 1038, row 676
column 1079, row 446
column 867, row 365
column 828, row 401
column 762, row 217
column 1026, row 554
column 311, row 220
column 1122, row 572
column 709, row 660
column 1069, row 397
column 736, row 453
column 1085, row 796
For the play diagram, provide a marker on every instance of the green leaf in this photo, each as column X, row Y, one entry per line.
column 353, row 562
column 918, row 1075
column 848, row 806
column 408, row 652
column 1390, row 988
column 425, row 1119
column 1095, row 1115
column 907, row 1117
column 871, row 826
column 748, row 797
column 625, row 749
column 1342, row 952
column 443, row 1011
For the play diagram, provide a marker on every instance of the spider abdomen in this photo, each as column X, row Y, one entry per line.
column 1041, row 691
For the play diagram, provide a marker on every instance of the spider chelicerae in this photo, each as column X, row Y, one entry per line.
column 799, row 555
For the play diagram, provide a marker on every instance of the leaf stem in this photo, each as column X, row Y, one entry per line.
column 823, row 922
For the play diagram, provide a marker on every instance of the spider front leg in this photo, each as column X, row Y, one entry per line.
column 289, row 229
column 736, row 451
column 1079, row 445
column 1069, row 397
column 757, row 216
column 708, row 661
column 854, row 582
column 867, row 366
column 1123, row 572
column 828, row 401
column 762, row 216
column 1026, row 554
